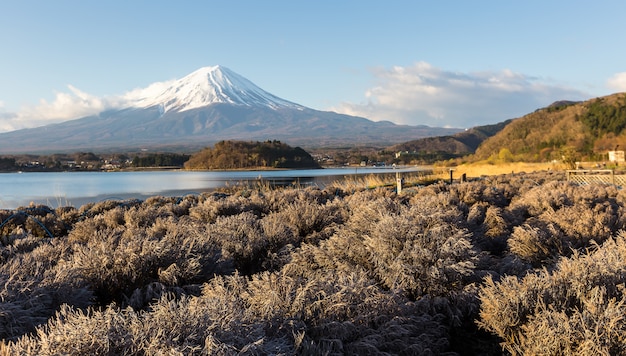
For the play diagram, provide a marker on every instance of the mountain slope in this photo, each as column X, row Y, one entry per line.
column 589, row 128
column 459, row 144
column 209, row 105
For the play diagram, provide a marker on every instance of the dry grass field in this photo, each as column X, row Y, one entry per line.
column 518, row 263
column 474, row 170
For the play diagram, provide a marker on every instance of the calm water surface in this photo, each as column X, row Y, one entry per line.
column 77, row 188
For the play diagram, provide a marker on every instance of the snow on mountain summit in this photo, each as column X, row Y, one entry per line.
column 206, row 86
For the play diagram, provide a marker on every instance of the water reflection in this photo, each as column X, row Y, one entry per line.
column 78, row 188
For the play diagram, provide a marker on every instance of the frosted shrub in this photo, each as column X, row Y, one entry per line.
column 495, row 223
column 344, row 250
column 87, row 229
column 18, row 243
column 491, row 227
column 596, row 329
column 176, row 206
column 439, row 208
column 10, row 238
column 421, row 257
column 144, row 216
column 279, row 231
column 576, row 309
column 101, row 333
column 38, row 221
column 16, row 315
column 277, row 199
column 355, row 315
column 476, row 215
column 582, row 224
column 211, row 207
column 417, row 249
column 473, row 192
column 241, row 239
column 94, row 209
column 215, row 322
column 582, row 216
column 549, row 197
column 31, row 291
column 69, row 215
column 109, row 263
column 537, row 241
column 366, row 210
column 310, row 219
column 114, row 262
column 220, row 204
column 342, row 312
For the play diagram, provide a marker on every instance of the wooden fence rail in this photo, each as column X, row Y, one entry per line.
column 588, row 176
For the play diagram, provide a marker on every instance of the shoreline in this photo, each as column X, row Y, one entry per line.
column 80, row 187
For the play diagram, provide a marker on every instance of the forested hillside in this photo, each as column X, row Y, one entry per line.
column 430, row 149
column 525, row 262
column 242, row 154
column 588, row 130
column 160, row 160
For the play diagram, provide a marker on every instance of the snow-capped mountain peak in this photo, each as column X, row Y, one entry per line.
column 206, row 86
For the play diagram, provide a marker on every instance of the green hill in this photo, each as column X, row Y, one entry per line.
column 246, row 155
column 586, row 130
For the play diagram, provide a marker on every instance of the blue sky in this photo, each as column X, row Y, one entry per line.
column 438, row 63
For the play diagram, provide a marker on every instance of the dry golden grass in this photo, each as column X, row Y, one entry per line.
column 473, row 170
column 4, row 350
column 438, row 173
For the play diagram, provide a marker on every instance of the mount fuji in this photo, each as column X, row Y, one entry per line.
column 206, row 106
column 213, row 85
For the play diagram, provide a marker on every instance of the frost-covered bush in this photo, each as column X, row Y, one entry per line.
column 32, row 291
column 420, row 254
column 39, row 221
column 577, row 309
column 115, row 262
column 537, row 242
column 535, row 261
column 219, row 204
column 562, row 218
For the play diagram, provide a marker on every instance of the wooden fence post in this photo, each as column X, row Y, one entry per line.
column 613, row 176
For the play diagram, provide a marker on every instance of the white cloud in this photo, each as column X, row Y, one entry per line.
column 65, row 106
column 72, row 105
column 617, row 82
column 424, row 94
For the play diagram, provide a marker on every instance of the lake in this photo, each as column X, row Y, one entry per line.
column 78, row 188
